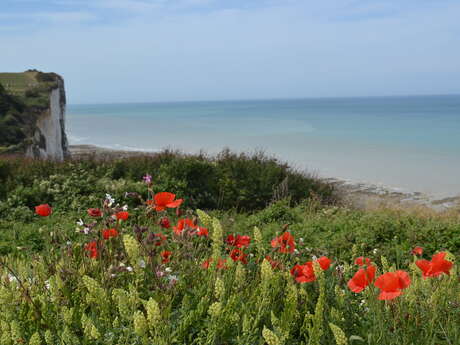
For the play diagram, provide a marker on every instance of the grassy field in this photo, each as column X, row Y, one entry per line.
column 140, row 267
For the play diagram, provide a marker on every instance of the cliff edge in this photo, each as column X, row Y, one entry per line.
column 32, row 115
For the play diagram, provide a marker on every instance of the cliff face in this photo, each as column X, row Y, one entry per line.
column 34, row 110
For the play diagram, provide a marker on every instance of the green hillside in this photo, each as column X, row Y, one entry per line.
column 22, row 97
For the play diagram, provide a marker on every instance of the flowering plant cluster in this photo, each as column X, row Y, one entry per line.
column 161, row 274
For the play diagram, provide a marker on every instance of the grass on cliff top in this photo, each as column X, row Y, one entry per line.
column 18, row 83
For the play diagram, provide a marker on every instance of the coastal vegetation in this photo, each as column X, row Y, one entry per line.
column 23, row 97
column 232, row 249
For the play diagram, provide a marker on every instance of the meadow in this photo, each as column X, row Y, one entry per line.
column 232, row 249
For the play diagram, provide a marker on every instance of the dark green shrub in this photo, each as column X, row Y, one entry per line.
column 227, row 181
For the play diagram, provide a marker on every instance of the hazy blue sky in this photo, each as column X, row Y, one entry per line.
column 159, row 50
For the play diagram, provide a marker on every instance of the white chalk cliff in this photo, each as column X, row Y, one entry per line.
column 49, row 140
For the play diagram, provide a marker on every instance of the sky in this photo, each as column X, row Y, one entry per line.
column 111, row 51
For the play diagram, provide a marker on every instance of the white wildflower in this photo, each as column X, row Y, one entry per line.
column 129, row 268
column 141, row 263
column 12, row 278
column 80, row 222
column 109, row 199
column 172, row 278
column 125, row 208
column 168, row 269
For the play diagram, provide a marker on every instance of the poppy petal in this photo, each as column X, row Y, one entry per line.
column 324, row 262
column 359, row 281
column 383, row 296
column 404, row 279
column 175, row 203
column 425, row 266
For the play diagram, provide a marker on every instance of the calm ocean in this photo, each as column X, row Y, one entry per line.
column 407, row 143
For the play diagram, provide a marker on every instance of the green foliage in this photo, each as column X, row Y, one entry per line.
column 279, row 212
column 53, row 292
column 225, row 182
column 127, row 295
column 22, row 96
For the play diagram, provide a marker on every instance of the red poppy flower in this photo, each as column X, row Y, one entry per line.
column 437, row 266
column 165, row 223
column 108, row 233
column 94, row 212
column 166, row 256
column 304, row 273
column 417, row 251
column 43, row 210
column 238, row 241
column 164, row 200
column 324, row 262
column 285, row 243
column 362, row 279
column 91, row 248
column 184, row 224
column 238, row 255
column 123, row 215
column 361, row 261
column 220, row 263
column 391, row 284
column 202, row 232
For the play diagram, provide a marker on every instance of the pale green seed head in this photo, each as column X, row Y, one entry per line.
column 140, row 323
column 132, row 248
column 339, row 335
column 270, row 337
column 205, row 219
column 219, row 289
column 215, row 309
column 266, row 271
column 35, row 339
column 153, row 311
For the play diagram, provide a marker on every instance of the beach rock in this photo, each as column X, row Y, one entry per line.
column 32, row 115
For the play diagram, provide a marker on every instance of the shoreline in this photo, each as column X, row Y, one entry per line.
column 357, row 194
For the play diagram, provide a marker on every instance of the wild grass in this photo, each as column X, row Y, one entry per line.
column 121, row 290
column 65, row 279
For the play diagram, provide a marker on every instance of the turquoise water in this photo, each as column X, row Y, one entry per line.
column 410, row 143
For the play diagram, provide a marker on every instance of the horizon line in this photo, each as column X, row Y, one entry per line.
column 271, row 99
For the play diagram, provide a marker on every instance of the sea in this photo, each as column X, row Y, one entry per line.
column 407, row 144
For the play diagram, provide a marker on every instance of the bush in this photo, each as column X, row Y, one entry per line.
column 244, row 182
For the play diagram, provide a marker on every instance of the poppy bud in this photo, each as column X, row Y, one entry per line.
column 165, row 223
column 43, row 210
